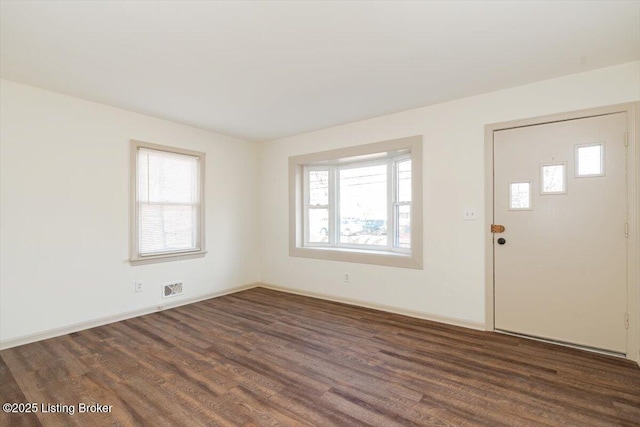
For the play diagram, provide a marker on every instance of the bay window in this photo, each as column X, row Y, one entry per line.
column 358, row 204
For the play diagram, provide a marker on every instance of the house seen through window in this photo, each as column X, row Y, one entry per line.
column 360, row 204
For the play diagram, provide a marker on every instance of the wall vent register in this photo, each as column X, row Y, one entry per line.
column 172, row 290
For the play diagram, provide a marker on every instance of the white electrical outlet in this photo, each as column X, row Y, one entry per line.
column 346, row 277
column 138, row 287
column 470, row 214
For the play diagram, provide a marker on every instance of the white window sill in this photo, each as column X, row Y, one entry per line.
column 362, row 256
column 154, row 259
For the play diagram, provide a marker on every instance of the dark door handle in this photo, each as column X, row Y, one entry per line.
column 501, row 241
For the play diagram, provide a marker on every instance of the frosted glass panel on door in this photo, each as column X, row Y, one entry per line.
column 553, row 178
column 590, row 160
column 520, row 196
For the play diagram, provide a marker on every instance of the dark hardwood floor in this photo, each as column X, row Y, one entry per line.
column 262, row 357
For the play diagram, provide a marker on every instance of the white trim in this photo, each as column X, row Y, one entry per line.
column 395, row 209
column 334, row 216
column 392, row 220
column 76, row 327
column 632, row 110
column 81, row 326
column 379, row 255
column 178, row 256
column 562, row 343
column 577, row 160
column 306, row 183
column 334, row 232
column 135, row 258
column 470, row 324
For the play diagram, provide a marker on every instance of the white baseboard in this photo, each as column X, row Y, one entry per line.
column 56, row 332
column 382, row 307
column 76, row 327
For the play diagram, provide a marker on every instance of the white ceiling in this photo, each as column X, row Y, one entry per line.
column 264, row 70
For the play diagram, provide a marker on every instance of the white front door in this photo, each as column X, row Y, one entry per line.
column 560, row 270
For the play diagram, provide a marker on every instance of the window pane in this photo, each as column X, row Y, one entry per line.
column 520, row 195
column 553, row 178
column 363, row 205
column 165, row 177
column 168, row 202
column 589, row 160
column 318, row 225
column 318, row 187
column 404, row 226
column 167, row 228
column 404, row 181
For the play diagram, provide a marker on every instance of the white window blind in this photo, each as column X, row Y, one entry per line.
column 168, row 198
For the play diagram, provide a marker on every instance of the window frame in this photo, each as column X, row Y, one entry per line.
column 510, row 199
column 333, row 205
column 330, row 212
column 396, row 204
column 385, row 152
column 135, row 258
column 564, row 179
column 602, row 173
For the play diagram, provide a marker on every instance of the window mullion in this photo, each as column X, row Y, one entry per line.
column 391, row 199
column 306, row 188
column 309, row 208
column 334, row 197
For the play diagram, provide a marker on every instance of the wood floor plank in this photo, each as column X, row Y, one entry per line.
column 11, row 393
column 262, row 357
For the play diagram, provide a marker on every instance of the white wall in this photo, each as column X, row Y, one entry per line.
column 64, row 194
column 64, row 214
column 452, row 282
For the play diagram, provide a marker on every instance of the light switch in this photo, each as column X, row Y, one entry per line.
column 470, row 214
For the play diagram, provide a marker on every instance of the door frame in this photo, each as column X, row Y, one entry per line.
column 632, row 111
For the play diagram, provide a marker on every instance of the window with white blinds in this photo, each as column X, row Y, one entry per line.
column 168, row 215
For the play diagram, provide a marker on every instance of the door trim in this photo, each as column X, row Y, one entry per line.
column 632, row 111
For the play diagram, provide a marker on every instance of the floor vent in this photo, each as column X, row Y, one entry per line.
column 172, row 290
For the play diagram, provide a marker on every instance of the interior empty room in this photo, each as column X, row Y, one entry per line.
column 345, row 213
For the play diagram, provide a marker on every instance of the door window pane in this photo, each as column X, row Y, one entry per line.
column 590, row 160
column 520, row 196
column 553, row 178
